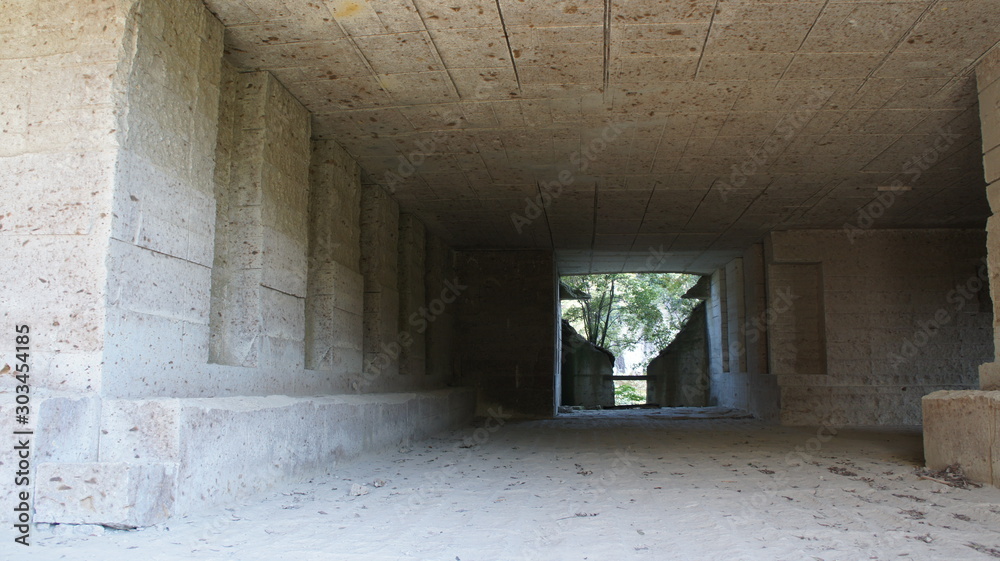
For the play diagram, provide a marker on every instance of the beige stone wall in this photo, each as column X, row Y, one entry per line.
column 718, row 326
column 169, row 202
column 960, row 427
column 160, row 256
column 260, row 273
column 988, row 80
column 739, row 374
column 379, row 266
column 899, row 314
column 334, row 304
column 60, row 131
column 61, row 87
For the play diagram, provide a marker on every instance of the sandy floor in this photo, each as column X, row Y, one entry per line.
column 600, row 485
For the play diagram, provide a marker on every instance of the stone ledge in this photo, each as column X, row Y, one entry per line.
column 166, row 457
column 117, row 495
column 989, row 376
column 963, row 427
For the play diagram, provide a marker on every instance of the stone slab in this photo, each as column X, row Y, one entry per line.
column 960, row 427
column 113, row 494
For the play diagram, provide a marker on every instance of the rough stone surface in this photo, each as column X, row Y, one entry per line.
column 412, row 262
column 585, row 371
column 989, row 376
column 380, row 268
column 737, row 301
column 900, row 314
column 179, row 203
column 440, row 354
column 679, row 374
column 233, row 447
column 114, row 494
column 703, row 126
column 334, row 304
column 506, row 329
column 178, row 206
column 67, row 429
column 140, row 431
column 260, row 270
column 963, row 427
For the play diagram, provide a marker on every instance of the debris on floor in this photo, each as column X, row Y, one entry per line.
column 953, row 476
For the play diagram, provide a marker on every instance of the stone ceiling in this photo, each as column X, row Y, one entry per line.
column 682, row 132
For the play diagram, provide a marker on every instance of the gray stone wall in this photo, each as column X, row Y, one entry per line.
column 196, row 271
column 738, row 338
column 875, row 322
column 506, row 329
column 678, row 375
column 441, row 311
column 335, row 298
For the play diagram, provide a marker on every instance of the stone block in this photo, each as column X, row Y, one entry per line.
column 59, row 207
column 153, row 283
column 991, row 167
column 960, row 427
column 988, row 70
column 284, row 260
column 61, row 284
column 140, row 430
column 283, row 315
column 68, row 371
column 118, row 495
column 989, row 376
column 285, row 354
column 989, row 115
column 67, row 429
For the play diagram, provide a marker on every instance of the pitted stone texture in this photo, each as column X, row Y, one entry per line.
column 902, row 313
column 963, row 427
column 383, row 340
column 67, row 429
column 989, row 376
column 678, row 375
column 335, row 296
column 138, row 431
column 379, row 238
column 118, row 495
column 379, row 267
column 335, row 204
column 233, row 447
column 464, row 109
column 261, row 253
column 334, row 330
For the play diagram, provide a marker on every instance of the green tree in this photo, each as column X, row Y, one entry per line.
column 626, row 309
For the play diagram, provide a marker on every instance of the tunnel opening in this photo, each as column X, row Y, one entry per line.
column 615, row 326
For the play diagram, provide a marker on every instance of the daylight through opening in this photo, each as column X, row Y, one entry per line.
column 633, row 340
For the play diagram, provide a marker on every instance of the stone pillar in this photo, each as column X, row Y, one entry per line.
column 412, row 272
column 988, row 78
column 336, row 288
column 259, row 276
column 963, row 427
column 379, row 267
column 506, row 329
column 440, row 349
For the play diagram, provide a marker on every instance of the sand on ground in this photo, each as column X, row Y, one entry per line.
column 641, row 484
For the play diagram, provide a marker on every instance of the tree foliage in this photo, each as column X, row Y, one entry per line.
column 629, row 394
column 627, row 309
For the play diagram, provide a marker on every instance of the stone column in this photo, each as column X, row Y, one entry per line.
column 961, row 427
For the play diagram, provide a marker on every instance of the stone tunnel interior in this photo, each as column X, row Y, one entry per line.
column 285, row 278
